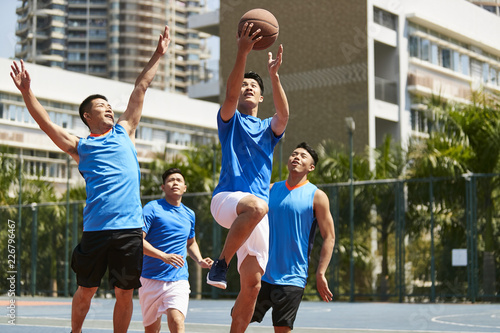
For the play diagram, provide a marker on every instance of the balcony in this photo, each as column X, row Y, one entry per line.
column 426, row 83
column 207, row 22
column 386, row 90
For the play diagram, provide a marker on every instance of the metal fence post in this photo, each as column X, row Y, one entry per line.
column 216, row 233
column 433, row 261
column 74, row 239
column 34, row 246
column 19, row 226
column 66, row 233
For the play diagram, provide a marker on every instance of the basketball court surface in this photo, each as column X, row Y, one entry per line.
column 52, row 315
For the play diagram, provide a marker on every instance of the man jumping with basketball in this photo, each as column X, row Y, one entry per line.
column 112, row 217
column 240, row 199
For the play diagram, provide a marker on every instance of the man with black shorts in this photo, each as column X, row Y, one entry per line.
column 296, row 208
column 112, row 217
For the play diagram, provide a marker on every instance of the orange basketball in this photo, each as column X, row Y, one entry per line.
column 265, row 21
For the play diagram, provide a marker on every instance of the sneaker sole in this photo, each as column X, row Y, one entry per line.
column 218, row 284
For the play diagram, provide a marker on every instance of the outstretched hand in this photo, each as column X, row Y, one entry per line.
column 274, row 64
column 246, row 41
column 20, row 76
column 163, row 41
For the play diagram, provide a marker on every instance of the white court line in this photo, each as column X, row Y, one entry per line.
column 438, row 320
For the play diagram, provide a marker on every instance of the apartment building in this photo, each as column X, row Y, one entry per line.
column 372, row 60
column 114, row 38
column 170, row 123
column 493, row 6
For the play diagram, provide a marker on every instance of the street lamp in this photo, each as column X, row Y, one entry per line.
column 349, row 121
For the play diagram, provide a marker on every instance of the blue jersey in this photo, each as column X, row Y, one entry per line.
column 109, row 165
column 292, row 226
column 247, row 154
column 168, row 229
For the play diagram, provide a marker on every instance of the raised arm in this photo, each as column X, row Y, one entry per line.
column 235, row 79
column 65, row 141
column 327, row 230
column 132, row 115
column 194, row 252
column 280, row 118
column 169, row 258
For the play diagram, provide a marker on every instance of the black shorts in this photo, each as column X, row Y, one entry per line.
column 118, row 250
column 284, row 300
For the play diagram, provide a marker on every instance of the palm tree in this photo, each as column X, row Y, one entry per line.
column 465, row 139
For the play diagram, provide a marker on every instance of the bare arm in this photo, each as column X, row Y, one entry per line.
column 194, row 252
column 172, row 259
column 65, row 141
column 233, row 85
column 280, row 118
column 327, row 230
column 132, row 115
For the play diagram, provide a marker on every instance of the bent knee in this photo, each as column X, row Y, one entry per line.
column 254, row 207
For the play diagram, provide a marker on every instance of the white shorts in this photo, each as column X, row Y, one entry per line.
column 156, row 297
column 223, row 208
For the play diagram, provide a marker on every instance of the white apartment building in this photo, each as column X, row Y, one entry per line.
column 372, row 60
column 170, row 122
column 114, row 38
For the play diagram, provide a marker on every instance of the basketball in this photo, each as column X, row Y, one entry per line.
column 263, row 20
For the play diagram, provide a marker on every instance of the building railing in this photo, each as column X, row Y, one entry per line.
column 386, row 90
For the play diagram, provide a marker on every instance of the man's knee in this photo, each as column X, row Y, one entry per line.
column 175, row 320
column 251, row 288
column 254, row 206
column 86, row 293
column 124, row 294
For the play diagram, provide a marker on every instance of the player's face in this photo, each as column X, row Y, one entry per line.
column 250, row 91
column 300, row 161
column 174, row 185
column 100, row 112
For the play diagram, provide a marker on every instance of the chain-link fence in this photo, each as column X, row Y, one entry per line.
column 407, row 241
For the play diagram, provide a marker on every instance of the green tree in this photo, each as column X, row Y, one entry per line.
column 464, row 139
column 390, row 161
column 333, row 167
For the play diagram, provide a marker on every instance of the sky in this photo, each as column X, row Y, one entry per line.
column 8, row 19
column 8, row 27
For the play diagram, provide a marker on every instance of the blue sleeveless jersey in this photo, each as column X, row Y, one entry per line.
column 292, row 226
column 109, row 165
column 168, row 229
column 247, row 154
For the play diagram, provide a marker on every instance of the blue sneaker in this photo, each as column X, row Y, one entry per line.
column 217, row 275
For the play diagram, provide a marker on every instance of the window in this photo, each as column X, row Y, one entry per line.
column 419, row 121
column 413, row 42
column 384, row 18
column 486, row 72
column 446, row 58
column 434, row 54
column 464, row 61
column 425, row 49
column 456, row 61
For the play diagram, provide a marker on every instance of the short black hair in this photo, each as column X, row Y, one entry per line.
column 310, row 150
column 256, row 77
column 87, row 102
column 170, row 172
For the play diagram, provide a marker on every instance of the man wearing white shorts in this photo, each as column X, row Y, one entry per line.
column 168, row 237
column 240, row 199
